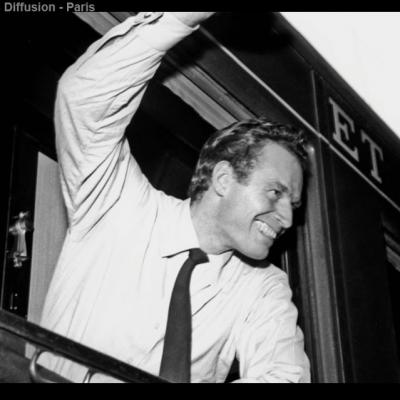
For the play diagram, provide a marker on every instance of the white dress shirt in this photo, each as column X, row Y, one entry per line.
column 126, row 240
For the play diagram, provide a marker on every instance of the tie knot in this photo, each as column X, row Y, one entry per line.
column 198, row 256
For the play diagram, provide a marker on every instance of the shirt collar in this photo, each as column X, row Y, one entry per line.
column 181, row 236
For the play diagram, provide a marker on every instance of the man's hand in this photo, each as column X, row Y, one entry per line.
column 193, row 18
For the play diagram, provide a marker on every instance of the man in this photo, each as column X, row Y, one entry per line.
column 127, row 242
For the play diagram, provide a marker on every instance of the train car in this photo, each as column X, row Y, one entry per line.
column 343, row 257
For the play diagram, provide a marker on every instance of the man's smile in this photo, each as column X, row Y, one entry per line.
column 265, row 229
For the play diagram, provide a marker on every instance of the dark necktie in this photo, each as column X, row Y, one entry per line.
column 176, row 358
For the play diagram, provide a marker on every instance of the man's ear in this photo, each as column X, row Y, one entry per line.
column 222, row 177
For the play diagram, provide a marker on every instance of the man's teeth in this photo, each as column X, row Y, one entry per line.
column 265, row 229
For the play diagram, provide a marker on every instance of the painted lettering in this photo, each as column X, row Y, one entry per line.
column 343, row 126
column 374, row 150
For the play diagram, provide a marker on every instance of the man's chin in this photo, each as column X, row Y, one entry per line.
column 257, row 254
column 260, row 257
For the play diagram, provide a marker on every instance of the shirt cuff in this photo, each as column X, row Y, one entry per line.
column 165, row 32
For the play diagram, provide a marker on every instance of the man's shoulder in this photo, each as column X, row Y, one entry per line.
column 265, row 284
column 263, row 272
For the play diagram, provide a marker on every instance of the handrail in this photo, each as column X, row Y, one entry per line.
column 52, row 342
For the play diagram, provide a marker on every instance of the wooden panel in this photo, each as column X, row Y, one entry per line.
column 360, row 140
column 360, row 265
column 50, row 224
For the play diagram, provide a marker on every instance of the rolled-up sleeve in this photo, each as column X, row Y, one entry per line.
column 270, row 345
column 96, row 99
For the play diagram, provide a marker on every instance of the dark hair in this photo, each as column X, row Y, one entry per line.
column 240, row 144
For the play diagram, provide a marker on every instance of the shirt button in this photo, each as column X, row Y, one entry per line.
column 157, row 326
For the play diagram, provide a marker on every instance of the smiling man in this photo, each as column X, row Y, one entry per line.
column 158, row 282
column 247, row 182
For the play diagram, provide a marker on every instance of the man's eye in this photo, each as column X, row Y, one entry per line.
column 275, row 193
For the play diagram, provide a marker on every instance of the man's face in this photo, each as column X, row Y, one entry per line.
column 254, row 213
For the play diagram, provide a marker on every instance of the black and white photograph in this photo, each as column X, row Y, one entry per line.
column 199, row 197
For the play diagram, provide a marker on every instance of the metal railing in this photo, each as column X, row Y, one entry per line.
column 43, row 340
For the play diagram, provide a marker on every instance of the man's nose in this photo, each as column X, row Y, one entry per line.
column 285, row 212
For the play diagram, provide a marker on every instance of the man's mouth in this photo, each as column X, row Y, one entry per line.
column 265, row 229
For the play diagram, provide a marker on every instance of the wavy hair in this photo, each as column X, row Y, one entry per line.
column 240, row 144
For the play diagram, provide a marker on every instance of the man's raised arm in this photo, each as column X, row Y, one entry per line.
column 96, row 99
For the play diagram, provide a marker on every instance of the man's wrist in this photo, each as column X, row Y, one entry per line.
column 165, row 32
column 192, row 19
